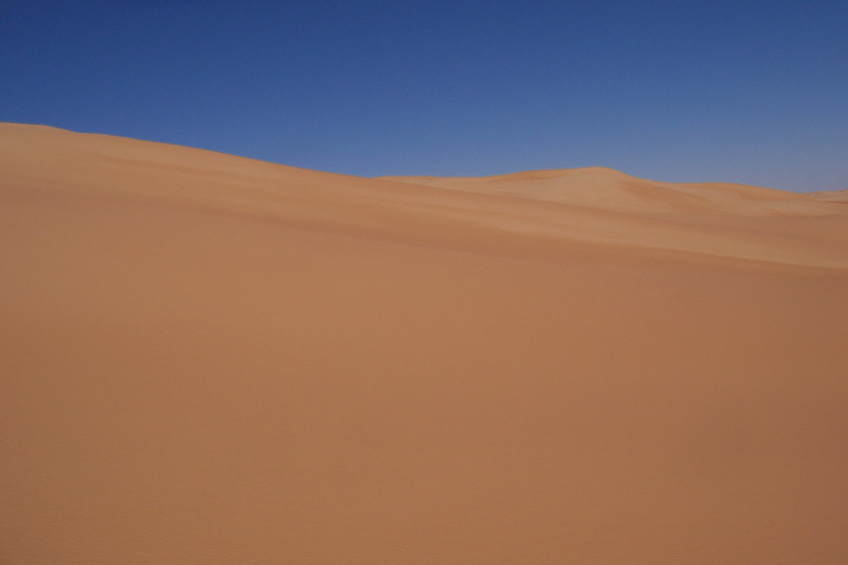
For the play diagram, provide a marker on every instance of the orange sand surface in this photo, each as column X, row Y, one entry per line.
column 206, row 359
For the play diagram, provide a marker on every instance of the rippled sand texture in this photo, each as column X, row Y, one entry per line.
column 208, row 360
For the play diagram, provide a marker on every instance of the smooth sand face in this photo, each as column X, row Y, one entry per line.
column 208, row 359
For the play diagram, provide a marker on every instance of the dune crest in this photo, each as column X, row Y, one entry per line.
column 210, row 359
column 608, row 189
column 562, row 207
column 833, row 196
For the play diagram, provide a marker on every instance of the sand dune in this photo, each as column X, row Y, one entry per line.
column 210, row 359
column 607, row 189
column 836, row 196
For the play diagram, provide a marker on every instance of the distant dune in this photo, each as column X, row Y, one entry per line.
column 608, row 189
column 210, row 359
column 836, row 196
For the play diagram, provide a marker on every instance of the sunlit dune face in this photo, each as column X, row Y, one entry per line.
column 208, row 359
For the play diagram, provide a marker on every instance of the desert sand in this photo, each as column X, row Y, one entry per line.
column 207, row 359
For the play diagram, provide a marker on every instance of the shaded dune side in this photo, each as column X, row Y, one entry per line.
column 553, row 208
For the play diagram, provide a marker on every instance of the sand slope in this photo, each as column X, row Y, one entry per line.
column 836, row 196
column 208, row 359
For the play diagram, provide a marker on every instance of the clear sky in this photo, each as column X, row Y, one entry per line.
column 754, row 92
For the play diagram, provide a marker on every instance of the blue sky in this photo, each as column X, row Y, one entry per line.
column 742, row 91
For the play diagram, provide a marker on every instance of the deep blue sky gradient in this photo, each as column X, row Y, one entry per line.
column 740, row 91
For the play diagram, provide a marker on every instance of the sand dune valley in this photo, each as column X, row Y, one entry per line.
column 207, row 359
